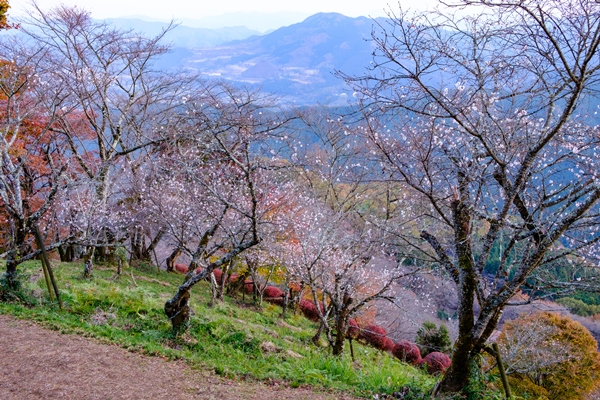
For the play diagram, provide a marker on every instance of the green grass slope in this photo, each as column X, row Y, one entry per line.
column 232, row 338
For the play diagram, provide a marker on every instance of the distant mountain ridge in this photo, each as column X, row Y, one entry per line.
column 296, row 61
column 258, row 21
column 185, row 36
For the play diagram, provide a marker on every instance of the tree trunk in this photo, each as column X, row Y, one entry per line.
column 15, row 252
column 139, row 250
column 172, row 259
column 457, row 376
column 178, row 310
column 138, row 245
column 66, row 253
column 286, row 301
column 340, row 339
column 220, row 289
column 62, row 253
column 11, row 274
column 317, row 337
column 88, row 268
column 213, row 289
column 341, row 325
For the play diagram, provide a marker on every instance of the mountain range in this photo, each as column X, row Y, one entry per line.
column 296, row 61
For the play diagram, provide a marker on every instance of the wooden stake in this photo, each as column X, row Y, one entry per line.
column 46, row 263
column 47, row 277
column 502, row 372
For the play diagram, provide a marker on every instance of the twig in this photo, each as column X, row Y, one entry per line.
column 132, row 278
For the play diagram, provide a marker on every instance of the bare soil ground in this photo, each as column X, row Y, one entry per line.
column 37, row 363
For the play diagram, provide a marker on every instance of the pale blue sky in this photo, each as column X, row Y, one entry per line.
column 161, row 9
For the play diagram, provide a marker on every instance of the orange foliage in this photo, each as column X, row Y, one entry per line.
column 3, row 10
column 32, row 142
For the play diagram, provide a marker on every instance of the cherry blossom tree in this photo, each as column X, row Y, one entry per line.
column 32, row 163
column 123, row 103
column 487, row 119
column 344, row 264
column 217, row 183
column 332, row 245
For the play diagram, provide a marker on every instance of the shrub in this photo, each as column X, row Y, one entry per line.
column 309, row 310
column 436, row 362
column 388, row 344
column 353, row 329
column 218, row 275
column 13, row 290
column 373, row 335
column 273, row 295
column 248, row 286
column 553, row 351
column 181, row 268
column 407, row 352
column 525, row 387
column 431, row 338
column 273, row 292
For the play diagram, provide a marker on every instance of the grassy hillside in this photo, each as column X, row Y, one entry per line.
column 232, row 338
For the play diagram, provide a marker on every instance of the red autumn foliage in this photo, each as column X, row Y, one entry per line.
column 437, row 362
column 408, row 352
column 273, row 295
column 181, row 268
column 248, row 286
column 353, row 329
column 218, row 275
column 388, row 344
column 272, row 291
column 373, row 335
column 309, row 310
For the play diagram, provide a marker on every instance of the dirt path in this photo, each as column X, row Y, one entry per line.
column 36, row 363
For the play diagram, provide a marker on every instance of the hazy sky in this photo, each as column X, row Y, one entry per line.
column 161, row 9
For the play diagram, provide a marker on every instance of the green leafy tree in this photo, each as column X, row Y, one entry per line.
column 430, row 338
column 578, row 307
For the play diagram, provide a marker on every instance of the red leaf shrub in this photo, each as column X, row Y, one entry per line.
column 388, row 344
column 407, row 351
column 199, row 269
column 272, row 291
column 275, row 300
column 309, row 310
column 273, row 295
column 232, row 278
column 248, row 286
column 353, row 329
column 373, row 335
column 437, row 362
column 218, row 275
column 181, row 268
